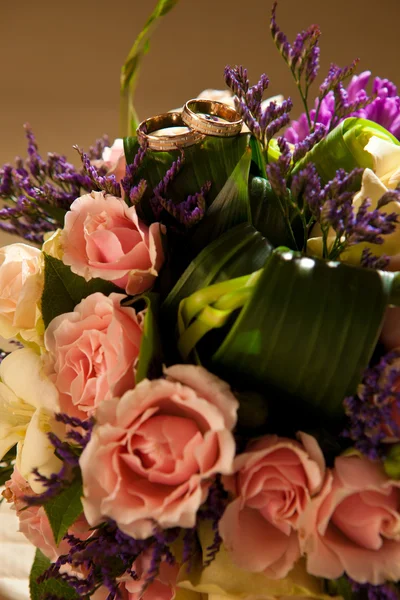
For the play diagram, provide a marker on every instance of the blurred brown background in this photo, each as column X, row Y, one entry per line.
column 61, row 60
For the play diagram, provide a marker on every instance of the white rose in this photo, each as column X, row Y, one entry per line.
column 28, row 402
column 21, row 286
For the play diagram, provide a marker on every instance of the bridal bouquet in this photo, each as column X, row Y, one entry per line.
column 200, row 395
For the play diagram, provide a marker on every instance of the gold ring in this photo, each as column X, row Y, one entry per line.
column 165, row 142
column 198, row 115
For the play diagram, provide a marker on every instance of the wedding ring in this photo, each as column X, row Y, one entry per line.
column 163, row 141
column 211, row 118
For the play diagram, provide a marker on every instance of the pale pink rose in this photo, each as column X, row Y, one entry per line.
column 93, row 352
column 21, row 285
column 33, row 521
column 273, row 484
column 104, row 237
column 353, row 525
column 113, row 159
column 154, row 452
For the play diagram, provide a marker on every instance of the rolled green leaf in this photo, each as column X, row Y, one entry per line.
column 308, row 330
column 239, row 251
column 343, row 148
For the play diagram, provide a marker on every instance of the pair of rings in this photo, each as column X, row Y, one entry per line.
column 199, row 118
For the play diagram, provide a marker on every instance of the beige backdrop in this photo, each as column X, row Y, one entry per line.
column 61, row 59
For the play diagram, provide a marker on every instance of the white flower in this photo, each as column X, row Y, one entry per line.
column 21, row 285
column 28, row 401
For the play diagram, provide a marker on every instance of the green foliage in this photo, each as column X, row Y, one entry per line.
column 308, row 330
column 230, row 207
column 39, row 591
column 391, row 464
column 212, row 160
column 131, row 67
column 239, row 251
column 63, row 290
column 64, row 509
column 344, row 147
column 150, row 356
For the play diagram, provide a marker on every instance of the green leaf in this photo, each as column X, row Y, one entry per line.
column 239, row 251
column 150, row 355
column 391, row 463
column 5, row 474
column 212, row 160
column 64, row 509
column 267, row 214
column 308, row 331
column 63, row 290
column 130, row 69
column 230, row 207
column 39, row 591
column 344, row 147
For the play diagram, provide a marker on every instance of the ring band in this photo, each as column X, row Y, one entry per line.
column 203, row 122
column 166, row 142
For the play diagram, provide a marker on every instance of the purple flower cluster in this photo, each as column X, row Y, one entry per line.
column 372, row 410
column 302, row 56
column 381, row 105
column 38, row 192
column 135, row 191
column 109, row 554
column 263, row 123
column 106, row 183
column 374, row 592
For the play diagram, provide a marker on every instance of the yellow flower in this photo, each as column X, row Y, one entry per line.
column 223, row 580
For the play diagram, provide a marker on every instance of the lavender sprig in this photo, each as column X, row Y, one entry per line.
column 371, row 411
column 263, row 123
column 302, row 57
column 38, row 192
column 105, row 183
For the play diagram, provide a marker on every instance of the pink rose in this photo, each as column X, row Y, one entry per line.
column 114, row 159
column 154, row 452
column 103, row 237
column 273, row 484
column 353, row 525
column 33, row 521
column 93, row 352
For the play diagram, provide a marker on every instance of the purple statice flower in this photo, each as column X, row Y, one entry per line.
column 334, row 209
column 189, row 212
column 38, row 192
column 381, row 105
column 95, row 151
column 386, row 591
column 262, row 122
column 107, row 555
column 374, row 411
column 103, row 182
column 134, row 191
column 370, row 261
column 302, row 56
column 301, row 148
